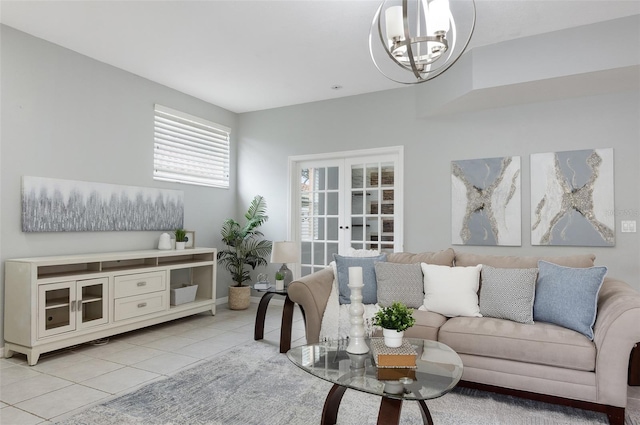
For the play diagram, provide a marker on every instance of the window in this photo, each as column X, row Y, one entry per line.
column 189, row 149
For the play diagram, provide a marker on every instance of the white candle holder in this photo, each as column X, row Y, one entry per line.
column 357, row 343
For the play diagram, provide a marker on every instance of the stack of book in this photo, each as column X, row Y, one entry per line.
column 386, row 357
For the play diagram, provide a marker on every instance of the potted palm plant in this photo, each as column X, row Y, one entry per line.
column 245, row 247
column 394, row 320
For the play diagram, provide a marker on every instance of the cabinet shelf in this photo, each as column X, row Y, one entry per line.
column 90, row 299
column 57, row 303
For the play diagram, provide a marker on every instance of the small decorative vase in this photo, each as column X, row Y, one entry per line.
column 392, row 338
column 279, row 285
column 357, row 343
column 180, row 245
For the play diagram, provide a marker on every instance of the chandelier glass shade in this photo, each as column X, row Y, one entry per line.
column 413, row 41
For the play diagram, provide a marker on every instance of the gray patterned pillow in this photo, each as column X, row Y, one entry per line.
column 399, row 282
column 508, row 293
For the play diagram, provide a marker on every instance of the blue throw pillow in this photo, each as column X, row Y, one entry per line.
column 567, row 296
column 370, row 290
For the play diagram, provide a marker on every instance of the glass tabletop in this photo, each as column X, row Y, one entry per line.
column 272, row 289
column 438, row 369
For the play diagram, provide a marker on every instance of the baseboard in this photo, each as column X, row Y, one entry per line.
column 254, row 300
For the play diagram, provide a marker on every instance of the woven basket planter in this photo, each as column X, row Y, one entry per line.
column 239, row 297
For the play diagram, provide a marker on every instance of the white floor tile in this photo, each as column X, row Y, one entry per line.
column 634, row 392
column 50, row 363
column 203, row 333
column 16, row 373
column 170, row 343
column 86, row 370
column 204, row 349
column 166, row 364
column 143, row 336
column 120, row 380
column 61, row 401
column 133, row 355
column 100, row 351
column 25, row 389
column 13, row 416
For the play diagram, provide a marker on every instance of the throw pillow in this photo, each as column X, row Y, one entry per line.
column 508, row 293
column 451, row 291
column 399, row 282
column 568, row 296
column 369, row 292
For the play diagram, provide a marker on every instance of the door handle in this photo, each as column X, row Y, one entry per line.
column 141, row 305
column 142, row 283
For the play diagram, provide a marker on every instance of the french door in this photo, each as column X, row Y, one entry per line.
column 346, row 201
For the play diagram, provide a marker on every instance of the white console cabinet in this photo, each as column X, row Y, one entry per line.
column 57, row 302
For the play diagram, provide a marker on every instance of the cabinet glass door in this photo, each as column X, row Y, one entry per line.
column 92, row 302
column 56, row 308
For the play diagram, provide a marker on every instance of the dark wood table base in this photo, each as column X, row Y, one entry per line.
column 389, row 413
column 287, row 320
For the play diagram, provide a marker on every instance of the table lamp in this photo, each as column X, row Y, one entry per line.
column 285, row 252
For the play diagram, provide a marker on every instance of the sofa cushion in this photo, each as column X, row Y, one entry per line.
column 540, row 343
column 399, row 282
column 508, row 293
column 568, row 296
column 514, row 262
column 442, row 258
column 370, row 291
column 427, row 325
column 451, row 291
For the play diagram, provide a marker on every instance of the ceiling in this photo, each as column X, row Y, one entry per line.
column 252, row 55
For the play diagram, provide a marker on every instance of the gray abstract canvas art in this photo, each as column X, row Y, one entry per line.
column 572, row 198
column 485, row 201
column 55, row 205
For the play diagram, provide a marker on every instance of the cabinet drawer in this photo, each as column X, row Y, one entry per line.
column 139, row 283
column 126, row 308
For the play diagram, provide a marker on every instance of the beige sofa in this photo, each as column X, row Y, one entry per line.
column 539, row 361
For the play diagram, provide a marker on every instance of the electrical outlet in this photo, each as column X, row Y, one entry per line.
column 628, row 226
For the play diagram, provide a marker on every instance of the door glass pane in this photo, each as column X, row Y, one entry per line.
column 332, row 229
column 333, row 178
column 318, row 204
column 318, row 253
column 320, row 179
column 357, row 176
column 318, row 228
column 387, row 175
column 305, row 252
column 332, row 248
column 332, row 203
column 373, row 176
column 373, row 202
column 57, row 308
column 357, row 231
column 357, row 199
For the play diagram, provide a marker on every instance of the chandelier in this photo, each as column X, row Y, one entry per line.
column 413, row 41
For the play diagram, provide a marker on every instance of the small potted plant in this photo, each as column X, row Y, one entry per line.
column 181, row 238
column 279, row 281
column 394, row 320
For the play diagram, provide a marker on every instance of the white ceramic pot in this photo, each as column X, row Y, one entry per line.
column 392, row 338
column 279, row 285
column 180, row 245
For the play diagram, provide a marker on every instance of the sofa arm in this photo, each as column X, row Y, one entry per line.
column 311, row 292
column 615, row 332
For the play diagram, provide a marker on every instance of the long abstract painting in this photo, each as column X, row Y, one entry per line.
column 485, row 201
column 55, row 205
column 572, row 198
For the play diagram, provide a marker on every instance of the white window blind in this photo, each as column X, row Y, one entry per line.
column 189, row 149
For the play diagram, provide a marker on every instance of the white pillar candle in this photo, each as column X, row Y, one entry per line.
column 355, row 276
column 357, row 343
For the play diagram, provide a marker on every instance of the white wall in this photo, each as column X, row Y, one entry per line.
column 489, row 105
column 67, row 116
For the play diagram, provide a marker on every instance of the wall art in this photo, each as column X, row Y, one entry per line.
column 485, row 201
column 572, row 198
column 55, row 205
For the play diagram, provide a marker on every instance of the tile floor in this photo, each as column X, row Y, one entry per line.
column 66, row 381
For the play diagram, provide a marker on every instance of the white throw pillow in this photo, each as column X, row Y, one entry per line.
column 451, row 291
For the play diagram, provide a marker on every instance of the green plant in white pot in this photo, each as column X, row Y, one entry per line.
column 394, row 320
column 245, row 248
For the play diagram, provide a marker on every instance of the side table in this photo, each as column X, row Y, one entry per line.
column 287, row 317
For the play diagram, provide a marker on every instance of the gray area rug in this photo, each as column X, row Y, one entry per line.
column 255, row 385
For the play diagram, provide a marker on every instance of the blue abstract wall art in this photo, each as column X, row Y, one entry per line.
column 55, row 205
column 572, row 195
column 485, row 201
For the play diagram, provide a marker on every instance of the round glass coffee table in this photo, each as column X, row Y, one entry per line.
column 438, row 370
